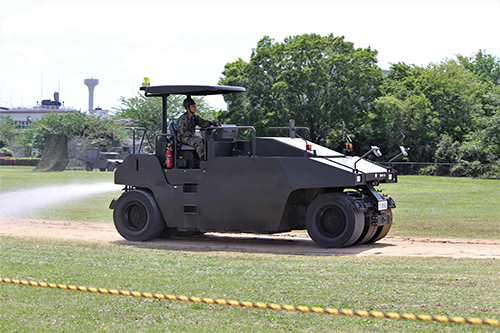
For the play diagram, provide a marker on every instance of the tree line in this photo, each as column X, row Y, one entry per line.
column 446, row 112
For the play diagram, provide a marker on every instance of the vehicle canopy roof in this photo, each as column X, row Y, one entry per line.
column 165, row 91
column 190, row 90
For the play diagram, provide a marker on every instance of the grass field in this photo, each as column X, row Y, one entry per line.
column 427, row 206
column 422, row 286
column 92, row 208
column 445, row 207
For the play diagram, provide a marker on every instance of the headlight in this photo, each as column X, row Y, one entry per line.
column 358, row 178
column 390, row 177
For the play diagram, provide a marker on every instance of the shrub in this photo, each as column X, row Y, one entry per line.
column 430, row 170
column 26, row 161
column 476, row 170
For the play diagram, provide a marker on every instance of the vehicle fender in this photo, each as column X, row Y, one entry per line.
column 141, row 170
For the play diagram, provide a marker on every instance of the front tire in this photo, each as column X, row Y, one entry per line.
column 331, row 222
column 137, row 216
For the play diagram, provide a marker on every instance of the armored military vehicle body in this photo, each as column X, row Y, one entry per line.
column 258, row 185
column 102, row 160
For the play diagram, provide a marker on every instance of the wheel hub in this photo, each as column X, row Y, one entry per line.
column 332, row 221
column 135, row 216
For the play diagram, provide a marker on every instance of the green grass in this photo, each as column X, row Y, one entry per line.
column 13, row 178
column 89, row 209
column 427, row 206
column 438, row 286
column 445, row 207
column 92, row 208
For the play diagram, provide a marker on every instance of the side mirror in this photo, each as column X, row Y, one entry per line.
column 404, row 150
column 374, row 149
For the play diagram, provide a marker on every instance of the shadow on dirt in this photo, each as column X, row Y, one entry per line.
column 250, row 244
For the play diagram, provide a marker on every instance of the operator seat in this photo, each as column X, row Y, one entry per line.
column 186, row 155
column 173, row 130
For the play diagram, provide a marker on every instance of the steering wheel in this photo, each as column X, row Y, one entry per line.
column 208, row 130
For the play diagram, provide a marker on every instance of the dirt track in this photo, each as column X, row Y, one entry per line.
column 296, row 243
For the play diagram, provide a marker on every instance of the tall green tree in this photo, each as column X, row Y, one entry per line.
column 485, row 65
column 103, row 131
column 426, row 103
column 7, row 131
column 55, row 123
column 319, row 81
column 486, row 139
column 77, row 124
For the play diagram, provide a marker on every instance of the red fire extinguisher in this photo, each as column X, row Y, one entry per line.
column 169, row 162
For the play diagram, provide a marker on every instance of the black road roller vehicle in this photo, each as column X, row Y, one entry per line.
column 260, row 185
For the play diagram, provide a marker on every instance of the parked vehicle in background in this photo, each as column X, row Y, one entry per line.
column 102, row 160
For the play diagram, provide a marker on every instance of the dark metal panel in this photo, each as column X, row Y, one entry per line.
column 238, row 194
column 185, row 176
column 140, row 170
column 244, row 194
column 316, row 173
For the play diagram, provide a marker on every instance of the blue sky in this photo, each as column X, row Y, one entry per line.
column 48, row 46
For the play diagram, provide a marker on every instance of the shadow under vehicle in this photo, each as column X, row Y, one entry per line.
column 260, row 185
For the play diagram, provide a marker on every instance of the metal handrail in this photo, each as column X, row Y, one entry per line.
column 253, row 140
column 133, row 137
column 288, row 128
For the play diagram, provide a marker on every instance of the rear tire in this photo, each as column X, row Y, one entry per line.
column 383, row 230
column 367, row 234
column 89, row 167
column 137, row 216
column 331, row 222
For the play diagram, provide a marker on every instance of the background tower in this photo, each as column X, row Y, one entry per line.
column 91, row 83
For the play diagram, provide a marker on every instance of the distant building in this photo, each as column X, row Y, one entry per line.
column 23, row 116
column 99, row 113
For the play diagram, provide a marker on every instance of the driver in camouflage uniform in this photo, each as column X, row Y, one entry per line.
column 187, row 124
